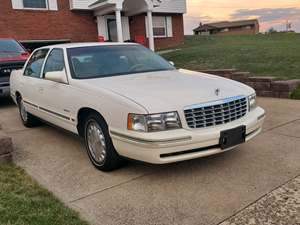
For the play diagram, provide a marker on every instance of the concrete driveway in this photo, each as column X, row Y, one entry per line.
column 203, row 191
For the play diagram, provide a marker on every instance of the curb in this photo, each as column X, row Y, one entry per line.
column 6, row 149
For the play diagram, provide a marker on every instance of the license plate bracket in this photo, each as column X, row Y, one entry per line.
column 232, row 137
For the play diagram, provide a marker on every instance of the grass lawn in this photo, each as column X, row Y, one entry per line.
column 24, row 202
column 275, row 55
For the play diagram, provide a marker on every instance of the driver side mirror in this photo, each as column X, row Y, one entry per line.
column 172, row 63
column 57, row 76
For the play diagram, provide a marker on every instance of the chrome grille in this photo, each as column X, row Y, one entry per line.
column 216, row 113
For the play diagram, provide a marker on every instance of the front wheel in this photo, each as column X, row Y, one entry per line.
column 99, row 145
column 28, row 119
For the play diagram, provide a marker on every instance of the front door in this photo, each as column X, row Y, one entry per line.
column 31, row 81
column 56, row 99
column 112, row 30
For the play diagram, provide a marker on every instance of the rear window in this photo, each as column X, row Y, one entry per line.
column 10, row 46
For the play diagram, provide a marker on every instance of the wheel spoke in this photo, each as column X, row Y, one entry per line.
column 96, row 142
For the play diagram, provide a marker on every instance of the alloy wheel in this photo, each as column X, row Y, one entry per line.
column 96, row 142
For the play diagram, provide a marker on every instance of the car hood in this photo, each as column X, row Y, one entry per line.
column 169, row 90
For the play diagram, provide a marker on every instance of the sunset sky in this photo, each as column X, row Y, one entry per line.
column 271, row 13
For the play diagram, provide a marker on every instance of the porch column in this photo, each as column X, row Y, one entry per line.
column 150, row 32
column 119, row 25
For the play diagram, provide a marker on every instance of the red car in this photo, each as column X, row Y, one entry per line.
column 12, row 57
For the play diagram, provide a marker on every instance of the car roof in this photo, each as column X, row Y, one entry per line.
column 89, row 44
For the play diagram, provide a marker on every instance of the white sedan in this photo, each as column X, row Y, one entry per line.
column 127, row 102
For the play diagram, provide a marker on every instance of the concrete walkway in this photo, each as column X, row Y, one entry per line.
column 203, row 191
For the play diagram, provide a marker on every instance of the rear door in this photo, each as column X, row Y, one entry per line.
column 31, row 82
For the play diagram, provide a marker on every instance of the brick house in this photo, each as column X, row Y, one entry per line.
column 40, row 22
column 241, row 27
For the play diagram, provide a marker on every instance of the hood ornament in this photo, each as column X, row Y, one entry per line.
column 217, row 91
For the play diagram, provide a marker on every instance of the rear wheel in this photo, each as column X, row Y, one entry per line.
column 27, row 119
column 99, row 145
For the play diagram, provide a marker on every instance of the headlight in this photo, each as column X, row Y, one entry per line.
column 252, row 101
column 153, row 122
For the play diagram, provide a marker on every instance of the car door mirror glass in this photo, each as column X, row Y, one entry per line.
column 57, row 76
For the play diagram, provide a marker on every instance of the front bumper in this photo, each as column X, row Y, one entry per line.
column 182, row 144
column 4, row 90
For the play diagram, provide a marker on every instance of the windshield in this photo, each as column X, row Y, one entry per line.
column 114, row 60
column 10, row 46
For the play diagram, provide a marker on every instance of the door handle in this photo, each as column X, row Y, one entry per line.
column 40, row 89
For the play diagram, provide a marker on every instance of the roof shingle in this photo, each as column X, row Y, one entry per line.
column 226, row 24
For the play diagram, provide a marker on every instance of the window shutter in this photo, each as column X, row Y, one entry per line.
column 52, row 4
column 169, row 26
column 125, row 28
column 147, row 28
column 17, row 4
column 102, row 27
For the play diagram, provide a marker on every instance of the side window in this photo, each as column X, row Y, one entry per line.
column 35, row 64
column 55, row 61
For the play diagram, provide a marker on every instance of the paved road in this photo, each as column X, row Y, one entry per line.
column 203, row 191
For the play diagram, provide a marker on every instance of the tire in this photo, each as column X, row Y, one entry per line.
column 28, row 119
column 99, row 145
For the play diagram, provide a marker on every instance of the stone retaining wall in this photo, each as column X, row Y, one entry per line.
column 6, row 149
column 264, row 86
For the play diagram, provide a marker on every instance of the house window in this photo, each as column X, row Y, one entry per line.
column 36, row 4
column 162, row 26
column 159, row 26
column 225, row 30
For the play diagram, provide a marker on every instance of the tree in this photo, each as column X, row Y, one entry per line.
column 272, row 31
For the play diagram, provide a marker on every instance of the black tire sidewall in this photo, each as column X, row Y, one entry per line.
column 19, row 100
column 112, row 159
column 31, row 121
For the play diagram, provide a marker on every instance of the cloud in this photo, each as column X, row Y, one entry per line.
column 267, row 14
column 269, row 17
column 191, row 22
column 271, row 13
